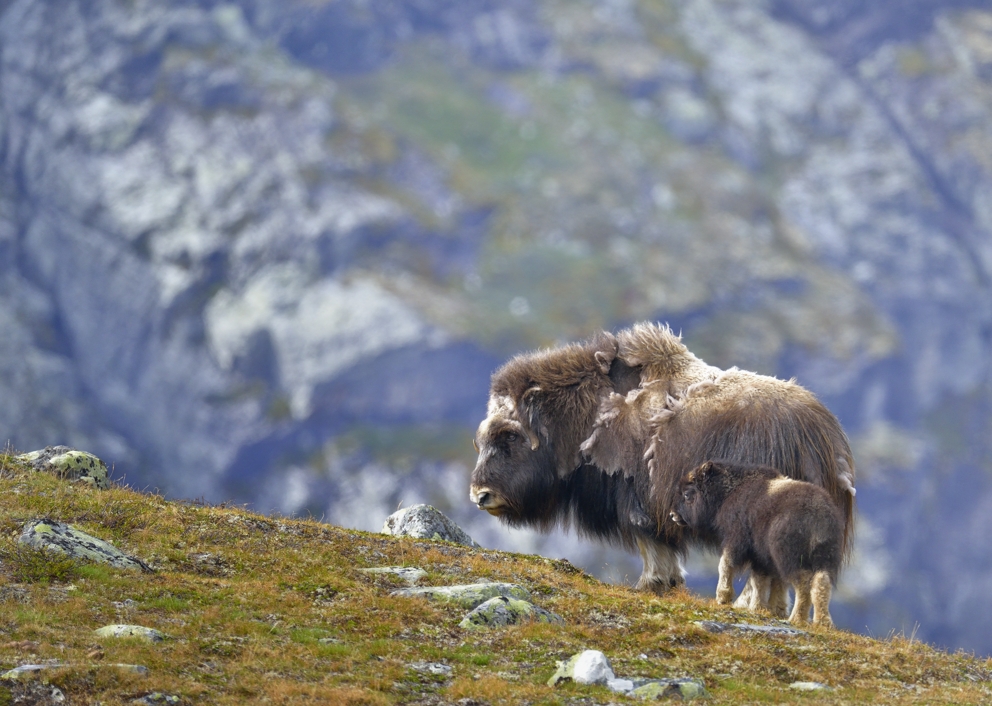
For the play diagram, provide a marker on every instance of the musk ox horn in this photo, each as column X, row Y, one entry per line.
column 527, row 415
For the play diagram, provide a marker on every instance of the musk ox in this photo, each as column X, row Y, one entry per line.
column 599, row 435
column 781, row 528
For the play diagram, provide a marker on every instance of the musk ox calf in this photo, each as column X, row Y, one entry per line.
column 599, row 435
column 783, row 529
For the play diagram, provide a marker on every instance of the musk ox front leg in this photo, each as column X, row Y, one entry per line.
column 725, row 582
column 662, row 567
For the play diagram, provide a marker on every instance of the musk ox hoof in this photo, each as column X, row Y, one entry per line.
column 660, row 586
column 725, row 597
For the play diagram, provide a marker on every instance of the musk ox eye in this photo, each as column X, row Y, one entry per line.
column 511, row 437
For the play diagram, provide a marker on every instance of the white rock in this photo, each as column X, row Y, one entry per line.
column 593, row 667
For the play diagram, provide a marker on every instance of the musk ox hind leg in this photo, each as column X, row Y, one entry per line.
column 820, row 589
column 662, row 567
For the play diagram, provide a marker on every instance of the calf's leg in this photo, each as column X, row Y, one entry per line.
column 800, row 609
column 820, row 590
column 662, row 567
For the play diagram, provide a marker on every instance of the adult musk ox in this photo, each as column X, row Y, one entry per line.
column 781, row 528
column 598, row 436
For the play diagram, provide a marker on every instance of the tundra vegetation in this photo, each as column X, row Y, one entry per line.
column 276, row 610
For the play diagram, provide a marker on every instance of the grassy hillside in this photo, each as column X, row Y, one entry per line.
column 271, row 610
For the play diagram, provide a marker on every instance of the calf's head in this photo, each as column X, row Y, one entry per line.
column 700, row 496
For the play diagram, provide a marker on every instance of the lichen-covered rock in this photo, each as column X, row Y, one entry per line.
column 69, row 464
column 588, row 667
column 133, row 631
column 718, row 627
column 502, row 611
column 409, row 574
column 30, row 671
column 434, row 668
column 683, row 689
column 467, row 596
column 425, row 522
column 60, row 537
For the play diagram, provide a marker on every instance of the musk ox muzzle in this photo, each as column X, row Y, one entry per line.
column 487, row 499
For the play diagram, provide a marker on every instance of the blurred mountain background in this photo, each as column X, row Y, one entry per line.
column 270, row 252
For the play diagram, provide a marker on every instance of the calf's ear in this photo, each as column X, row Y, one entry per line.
column 606, row 345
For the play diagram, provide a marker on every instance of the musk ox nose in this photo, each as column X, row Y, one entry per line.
column 480, row 496
column 487, row 500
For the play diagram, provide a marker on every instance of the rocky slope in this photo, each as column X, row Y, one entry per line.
column 181, row 603
column 270, row 252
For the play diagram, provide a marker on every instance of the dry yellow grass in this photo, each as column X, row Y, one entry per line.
column 271, row 610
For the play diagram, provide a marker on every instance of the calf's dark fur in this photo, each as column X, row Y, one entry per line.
column 782, row 528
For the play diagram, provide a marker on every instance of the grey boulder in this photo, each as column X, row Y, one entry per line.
column 502, row 611
column 60, row 537
column 467, row 596
column 425, row 522
column 69, row 464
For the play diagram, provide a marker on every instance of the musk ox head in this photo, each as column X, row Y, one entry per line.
column 701, row 493
column 541, row 408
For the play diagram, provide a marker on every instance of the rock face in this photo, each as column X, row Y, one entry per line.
column 425, row 522
column 60, row 537
column 247, row 263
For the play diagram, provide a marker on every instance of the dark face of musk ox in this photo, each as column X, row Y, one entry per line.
column 699, row 498
column 512, row 480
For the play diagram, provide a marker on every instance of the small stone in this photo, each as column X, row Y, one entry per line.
column 23, row 646
column 588, row 667
column 621, row 686
column 425, row 522
column 407, row 573
column 157, row 697
column 70, row 464
column 133, row 631
column 808, row 686
column 501, row 611
column 60, row 537
column 467, row 596
column 435, row 668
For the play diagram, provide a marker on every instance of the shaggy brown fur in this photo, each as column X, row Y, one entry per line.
column 780, row 527
column 599, row 436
